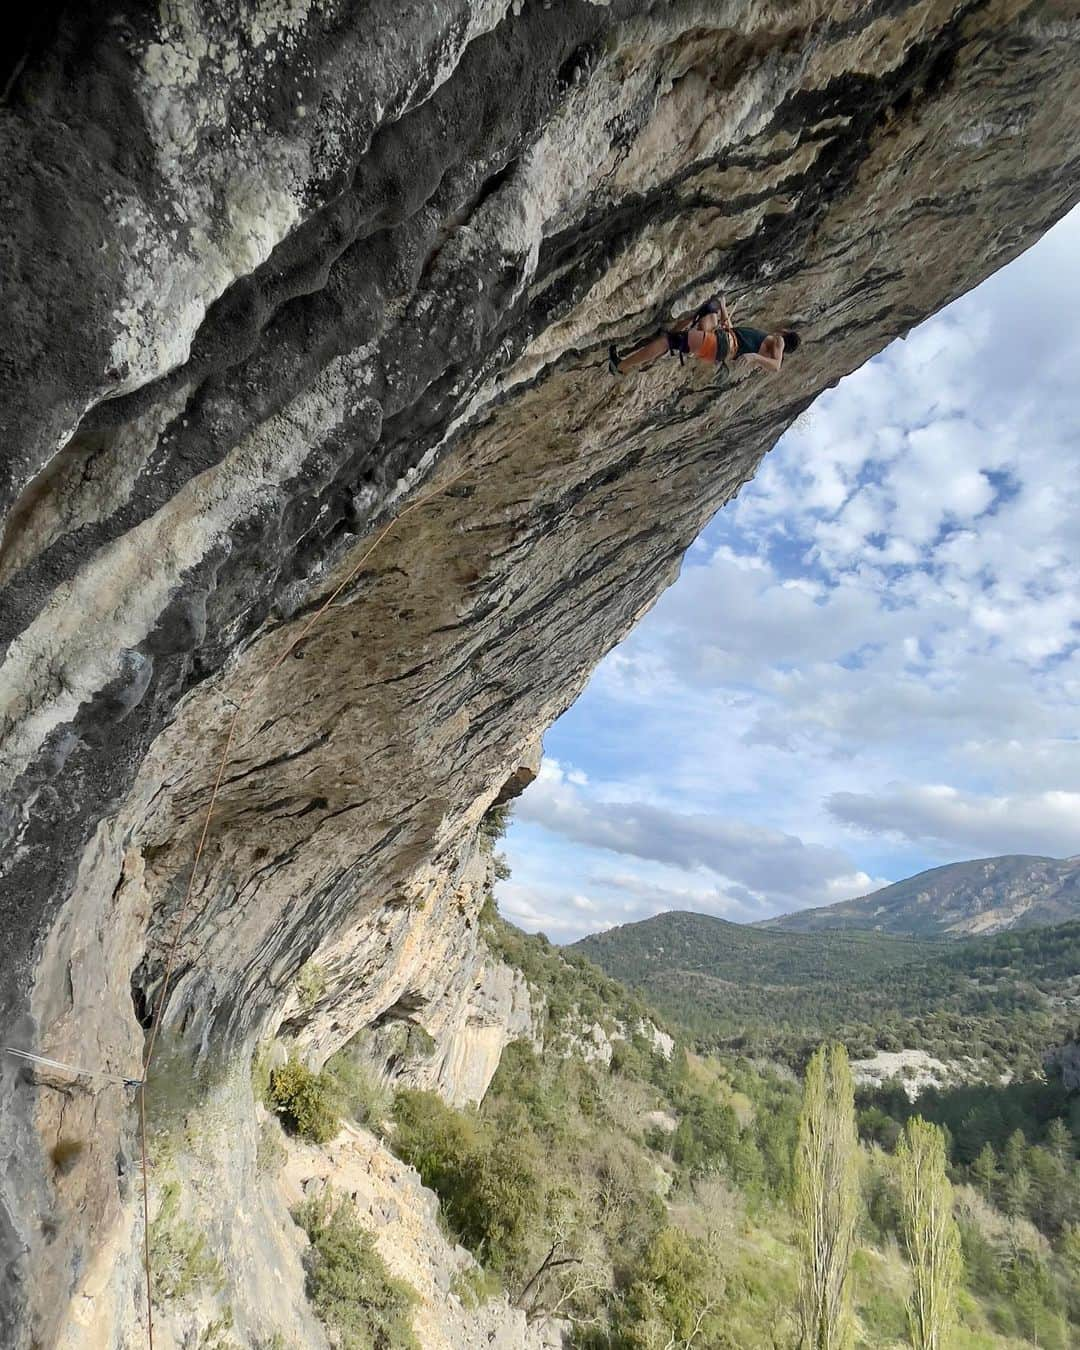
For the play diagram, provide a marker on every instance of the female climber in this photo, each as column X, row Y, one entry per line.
column 711, row 336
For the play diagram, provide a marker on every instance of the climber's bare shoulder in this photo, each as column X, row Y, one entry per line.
column 769, row 356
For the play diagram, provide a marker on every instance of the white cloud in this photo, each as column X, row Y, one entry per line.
column 768, row 863
column 894, row 599
column 1041, row 823
column 539, row 909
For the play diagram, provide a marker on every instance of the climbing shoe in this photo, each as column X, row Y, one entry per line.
column 613, row 360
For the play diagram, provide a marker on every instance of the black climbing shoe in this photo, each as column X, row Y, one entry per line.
column 613, row 360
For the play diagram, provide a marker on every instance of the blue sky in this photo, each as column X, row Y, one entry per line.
column 869, row 664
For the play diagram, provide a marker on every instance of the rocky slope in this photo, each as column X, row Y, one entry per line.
column 271, row 274
column 959, row 900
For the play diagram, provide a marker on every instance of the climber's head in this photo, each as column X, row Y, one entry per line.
column 791, row 339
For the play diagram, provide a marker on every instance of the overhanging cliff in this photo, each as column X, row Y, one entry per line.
column 267, row 279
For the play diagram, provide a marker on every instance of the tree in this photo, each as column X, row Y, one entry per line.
column 1059, row 1140
column 1016, row 1193
column 826, row 1191
column 930, row 1232
column 1070, row 1248
column 985, row 1170
column 1015, row 1152
column 672, row 1302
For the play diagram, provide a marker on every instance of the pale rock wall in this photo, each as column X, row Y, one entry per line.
column 595, row 1043
column 500, row 1010
column 917, row 1070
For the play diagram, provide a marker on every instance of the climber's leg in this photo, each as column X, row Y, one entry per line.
column 658, row 346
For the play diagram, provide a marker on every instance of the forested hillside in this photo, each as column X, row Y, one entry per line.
column 653, row 1201
column 964, row 899
column 766, row 992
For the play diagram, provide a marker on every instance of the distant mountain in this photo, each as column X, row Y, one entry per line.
column 966, row 899
column 741, row 954
column 1002, row 999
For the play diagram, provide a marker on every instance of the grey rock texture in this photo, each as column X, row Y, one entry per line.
column 270, row 273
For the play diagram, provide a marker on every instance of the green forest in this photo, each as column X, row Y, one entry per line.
column 661, row 1203
column 768, row 993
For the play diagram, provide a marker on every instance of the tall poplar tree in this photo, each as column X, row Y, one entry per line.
column 930, row 1231
column 985, row 1170
column 826, row 1191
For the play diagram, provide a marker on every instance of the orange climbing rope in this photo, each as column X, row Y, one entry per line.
column 222, row 765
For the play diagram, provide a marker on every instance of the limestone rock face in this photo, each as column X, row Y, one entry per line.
column 274, row 276
column 447, row 1033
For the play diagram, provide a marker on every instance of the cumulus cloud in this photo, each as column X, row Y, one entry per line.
column 1042, row 823
column 894, row 599
column 544, row 909
column 768, row 863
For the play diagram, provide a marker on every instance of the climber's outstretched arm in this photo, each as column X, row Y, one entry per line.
column 770, row 357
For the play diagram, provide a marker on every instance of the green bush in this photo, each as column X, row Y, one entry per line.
column 672, row 1297
column 310, row 984
column 1035, row 1301
column 348, row 1282
column 491, row 1186
column 307, row 1102
column 475, row 1286
column 215, row 1336
column 260, row 1074
column 882, row 1310
column 495, row 823
column 180, row 1263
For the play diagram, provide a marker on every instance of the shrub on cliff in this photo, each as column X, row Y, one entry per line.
column 306, row 1102
column 180, row 1258
column 348, row 1282
column 674, row 1298
column 495, row 823
column 492, row 1187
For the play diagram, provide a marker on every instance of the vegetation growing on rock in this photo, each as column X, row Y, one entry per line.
column 306, row 1102
column 357, row 1092
column 348, row 1282
column 180, row 1257
column 653, row 1199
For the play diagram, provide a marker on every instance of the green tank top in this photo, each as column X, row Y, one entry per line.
column 749, row 340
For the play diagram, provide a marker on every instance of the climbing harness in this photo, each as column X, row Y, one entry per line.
column 710, row 344
column 678, row 342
